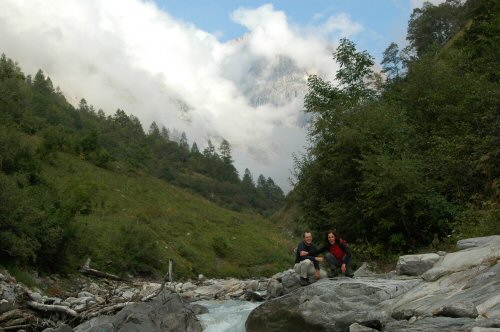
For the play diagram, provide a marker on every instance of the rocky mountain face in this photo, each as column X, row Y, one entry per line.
column 457, row 291
column 275, row 82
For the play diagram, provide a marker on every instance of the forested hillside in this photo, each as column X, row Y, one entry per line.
column 397, row 159
column 75, row 182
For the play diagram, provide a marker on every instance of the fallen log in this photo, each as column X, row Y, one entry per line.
column 52, row 308
column 96, row 273
column 105, row 310
column 12, row 314
column 16, row 327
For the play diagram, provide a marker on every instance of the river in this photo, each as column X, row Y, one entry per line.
column 229, row 316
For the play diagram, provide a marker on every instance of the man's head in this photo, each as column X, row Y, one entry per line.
column 308, row 238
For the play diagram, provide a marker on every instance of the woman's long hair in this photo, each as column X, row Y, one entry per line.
column 334, row 233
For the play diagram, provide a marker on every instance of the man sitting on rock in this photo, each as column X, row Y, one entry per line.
column 306, row 262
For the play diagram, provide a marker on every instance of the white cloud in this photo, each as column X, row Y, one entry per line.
column 128, row 54
column 419, row 3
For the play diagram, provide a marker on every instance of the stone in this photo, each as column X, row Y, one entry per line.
column 360, row 328
column 274, row 288
column 252, row 285
column 415, row 265
column 457, row 309
column 37, row 297
column 127, row 295
column 253, row 296
column 478, row 242
column 62, row 328
column 346, row 301
column 441, row 324
column 198, row 309
column 153, row 316
column 290, row 281
column 188, row 286
column 365, row 270
column 85, row 294
column 435, row 273
column 201, row 278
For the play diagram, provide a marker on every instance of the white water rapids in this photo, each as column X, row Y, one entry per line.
column 228, row 316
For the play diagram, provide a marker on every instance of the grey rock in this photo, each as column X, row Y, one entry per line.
column 290, row 281
column 198, row 309
column 158, row 315
column 253, row 296
column 85, row 294
column 426, row 324
column 415, row 265
column 62, row 328
column 441, row 253
column 188, row 286
column 458, row 309
column 274, row 288
column 346, row 301
column 365, row 270
column 478, row 242
column 127, row 295
column 435, row 273
column 37, row 297
column 360, row 328
column 252, row 285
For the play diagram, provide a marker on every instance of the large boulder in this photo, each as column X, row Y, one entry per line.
column 415, row 265
column 493, row 240
column 462, row 290
column 164, row 313
column 346, row 301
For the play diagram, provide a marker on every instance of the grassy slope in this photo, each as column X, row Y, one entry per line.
column 198, row 235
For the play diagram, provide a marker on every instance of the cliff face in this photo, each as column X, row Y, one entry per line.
column 454, row 291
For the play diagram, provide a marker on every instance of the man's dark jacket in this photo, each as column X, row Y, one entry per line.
column 312, row 250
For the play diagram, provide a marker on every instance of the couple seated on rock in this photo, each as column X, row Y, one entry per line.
column 337, row 254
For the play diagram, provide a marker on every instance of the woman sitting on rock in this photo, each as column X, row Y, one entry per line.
column 337, row 254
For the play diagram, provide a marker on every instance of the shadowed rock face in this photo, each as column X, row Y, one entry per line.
column 466, row 285
column 328, row 305
column 161, row 314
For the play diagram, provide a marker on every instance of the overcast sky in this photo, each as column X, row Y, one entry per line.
column 182, row 64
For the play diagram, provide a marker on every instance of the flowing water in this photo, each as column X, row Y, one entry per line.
column 228, row 316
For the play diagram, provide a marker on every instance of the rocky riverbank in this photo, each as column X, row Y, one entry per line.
column 93, row 302
column 457, row 291
column 440, row 291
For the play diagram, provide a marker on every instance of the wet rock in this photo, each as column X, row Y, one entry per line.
column 198, row 309
column 148, row 317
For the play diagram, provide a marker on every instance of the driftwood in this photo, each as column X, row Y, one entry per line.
column 96, row 273
column 12, row 314
column 105, row 310
column 168, row 277
column 15, row 327
column 52, row 308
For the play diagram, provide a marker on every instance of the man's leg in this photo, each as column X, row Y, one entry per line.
column 303, row 268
